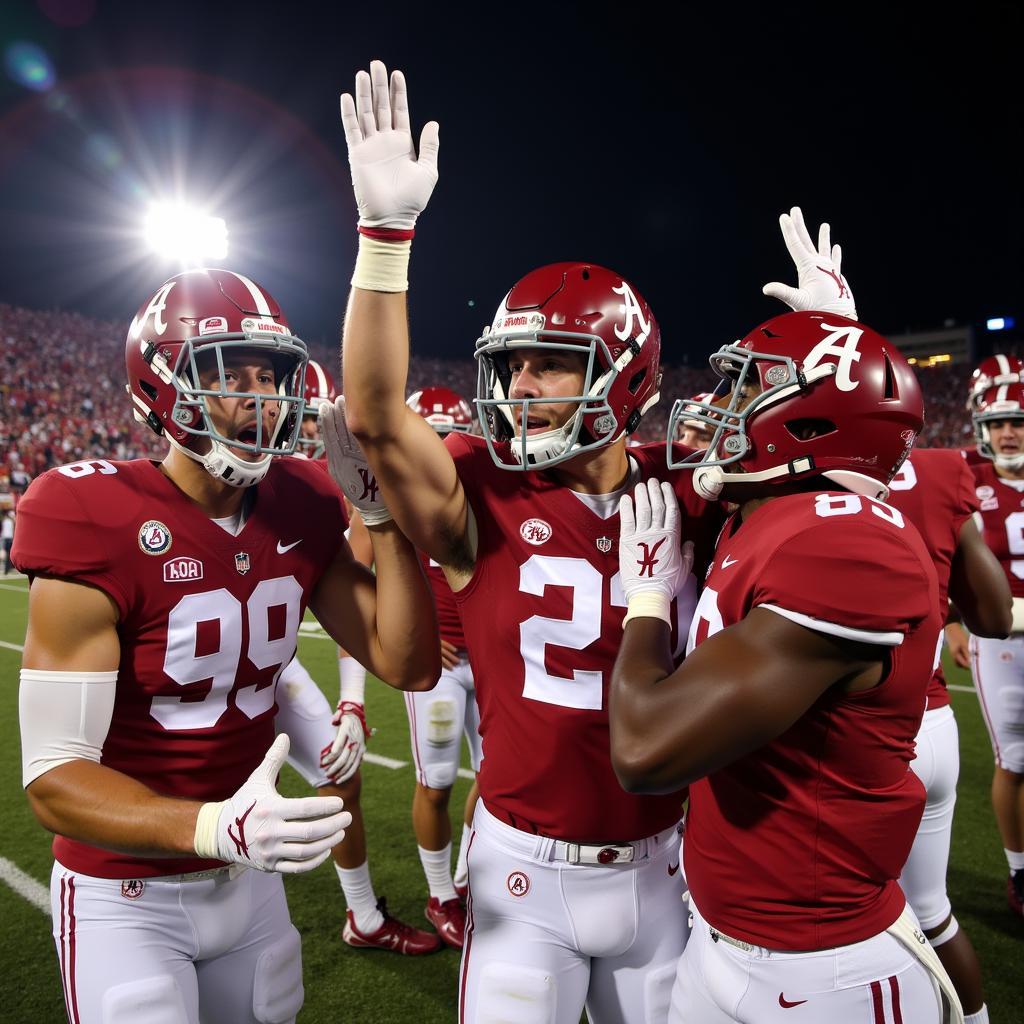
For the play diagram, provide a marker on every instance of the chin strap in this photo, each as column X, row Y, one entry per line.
column 1009, row 461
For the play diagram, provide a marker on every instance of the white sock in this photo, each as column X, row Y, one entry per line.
column 462, row 864
column 981, row 1017
column 437, row 866
column 1015, row 858
column 358, row 890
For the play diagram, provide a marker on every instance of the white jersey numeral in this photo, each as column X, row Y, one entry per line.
column 1015, row 541
column 828, row 505
column 222, row 613
column 75, row 470
column 585, row 690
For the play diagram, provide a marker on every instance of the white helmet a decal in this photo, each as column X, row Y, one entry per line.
column 841, row 343
column 630, row 309
column 156, row 306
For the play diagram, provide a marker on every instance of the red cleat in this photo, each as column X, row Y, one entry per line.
column 393, row 935
column 449, row 918
column 1015, row 892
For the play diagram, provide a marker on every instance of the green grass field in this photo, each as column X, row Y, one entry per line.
column 343, row 984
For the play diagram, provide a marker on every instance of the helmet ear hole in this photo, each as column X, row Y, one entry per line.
column 889, row 390
column 636, row 380
column 808, row 429
column 148, row 390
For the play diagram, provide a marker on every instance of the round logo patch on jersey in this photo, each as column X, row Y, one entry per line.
column 517, row 884
column 132, row 888
column 154, row 537
column 535, row 531
column 984, row 492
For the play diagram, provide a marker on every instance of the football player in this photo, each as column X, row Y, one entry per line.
column 998, row 665
column 165, row 600
column 438, row 720
column 328, row 751
column 794, row 714
column 693, row 433
column 934, row 488
column 574, row 884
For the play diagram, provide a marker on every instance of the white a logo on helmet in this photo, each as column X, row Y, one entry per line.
column 630, row 309
column 841, row 343
column 156, row 306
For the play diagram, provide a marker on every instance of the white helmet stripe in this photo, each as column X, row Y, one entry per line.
column 321, row 378
column 257, row 296
column 1004, row 364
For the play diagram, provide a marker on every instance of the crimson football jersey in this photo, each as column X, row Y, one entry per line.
column 449, row 623
column 206, row 620
column 1001, row 502
column 798, row 845
column 935, row 490
column 542, row 616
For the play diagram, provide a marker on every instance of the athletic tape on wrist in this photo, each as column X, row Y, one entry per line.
column 205, row 839
column 352, row 676
column 382, row 266
column 648, row 605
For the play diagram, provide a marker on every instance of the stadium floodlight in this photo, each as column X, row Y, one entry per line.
column 999, row 323
column 185, row 234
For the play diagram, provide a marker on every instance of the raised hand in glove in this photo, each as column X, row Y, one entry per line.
column 343, row 757
column 261, row 829
column 820, row 282
column 652, row 566
column 391, row 185
column 348, row 465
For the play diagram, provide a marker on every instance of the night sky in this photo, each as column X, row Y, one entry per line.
column 567, row 132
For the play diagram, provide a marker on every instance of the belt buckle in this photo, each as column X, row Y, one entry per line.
column 615, row 854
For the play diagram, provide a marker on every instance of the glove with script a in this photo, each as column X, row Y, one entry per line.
column 820, row 282
column 261, row 829
column 391, row 185
column 344, row 756
column 652, row 566
column 348, row 465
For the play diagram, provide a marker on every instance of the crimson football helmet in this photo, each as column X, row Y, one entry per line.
column 212, row 313
column 318, row 386
column 991, row 372
column 1002, row 402
column 445, row 410
column 809, row 394
column 581, row 308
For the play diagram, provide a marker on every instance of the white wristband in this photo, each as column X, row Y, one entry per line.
column 205, row 839
column 353, row 680
column 649, row 605
column 1017, row 625
column 382, row 266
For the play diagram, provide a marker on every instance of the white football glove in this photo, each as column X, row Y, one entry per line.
column 652, row 566
column 391, row 186
column 348, row 465
column 344, row 756
column 820, row 282
column 261, row 829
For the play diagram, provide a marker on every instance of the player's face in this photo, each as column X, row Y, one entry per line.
column 235, row 418
column 310, row 430
column 696, row 435
column 545, row 373
column 1007, row 436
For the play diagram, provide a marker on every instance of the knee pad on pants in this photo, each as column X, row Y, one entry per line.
column 442, row 728
column 508, row 992
column 277, row 992
column 145, row 1001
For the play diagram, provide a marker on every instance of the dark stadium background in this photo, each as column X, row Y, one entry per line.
column 662, row 140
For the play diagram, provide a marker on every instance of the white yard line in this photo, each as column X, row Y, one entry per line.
column 962, row 689
column 11, row 647
column 17, row 590
column 25, row 885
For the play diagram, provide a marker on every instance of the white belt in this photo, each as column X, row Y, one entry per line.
column 581, row 853
column 905, row 930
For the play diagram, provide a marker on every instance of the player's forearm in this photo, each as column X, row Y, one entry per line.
column 407, row 644
column 375, row 363
column 94, row 804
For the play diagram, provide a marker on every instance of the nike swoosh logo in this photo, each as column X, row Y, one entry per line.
column 282, row 548
column 787, row 1005
column 726, row 562
column 673, row 868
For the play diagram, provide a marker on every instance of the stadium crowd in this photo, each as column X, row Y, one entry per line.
column 63, row 400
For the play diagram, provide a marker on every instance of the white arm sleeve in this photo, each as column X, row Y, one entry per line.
column 1018, row 615
column 64, row 716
